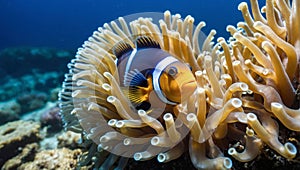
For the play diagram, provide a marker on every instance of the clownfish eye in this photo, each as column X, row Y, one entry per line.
column 172, row 71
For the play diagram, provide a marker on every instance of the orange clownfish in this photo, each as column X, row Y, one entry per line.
column 150, row 75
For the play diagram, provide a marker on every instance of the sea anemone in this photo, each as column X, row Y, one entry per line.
column 246, row 88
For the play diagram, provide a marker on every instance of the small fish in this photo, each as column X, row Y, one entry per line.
column 147, row 69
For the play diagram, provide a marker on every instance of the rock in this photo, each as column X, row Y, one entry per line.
column 15, row 135
column 56, row 159
column 49, row 142
column 52, row 119
column 9, row 111
column 26, row 155
column 32, row 101
column 36, row 114
column 69, row 139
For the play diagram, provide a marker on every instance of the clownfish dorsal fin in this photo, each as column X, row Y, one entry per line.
column 135, row 78
column 146, row 42
column 121, row 48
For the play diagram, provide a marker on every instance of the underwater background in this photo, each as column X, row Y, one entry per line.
column 38, row 38
column 67, row 23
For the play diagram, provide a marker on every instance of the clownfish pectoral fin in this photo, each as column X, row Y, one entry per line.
column 135, row 78
column 121, row 48
column 135, row 87
column 135, row 94
column 146, row 42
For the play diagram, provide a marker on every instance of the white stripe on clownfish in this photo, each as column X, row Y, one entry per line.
column 156, row 75
column 130, row 59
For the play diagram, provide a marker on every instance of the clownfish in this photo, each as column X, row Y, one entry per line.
column 149, row 75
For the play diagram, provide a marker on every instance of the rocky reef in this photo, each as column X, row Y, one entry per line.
column 53, row 159
column 39, row 69
column 31, row 60
column 16, row 135
column 9, row 111
column 29, row 116
column 26, row 155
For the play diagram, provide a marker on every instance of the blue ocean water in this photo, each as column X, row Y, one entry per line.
column 67, row 23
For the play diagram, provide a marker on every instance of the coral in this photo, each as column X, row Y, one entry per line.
column 49, row 140
column 26, row 155
column 52, row 119
column 31, row 101
column 9, row 111
column 69, row 139
column 246, row 92
column 64, row 159
column 14, row 135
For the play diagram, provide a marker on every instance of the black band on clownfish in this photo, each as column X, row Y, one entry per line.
column 148, row 68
